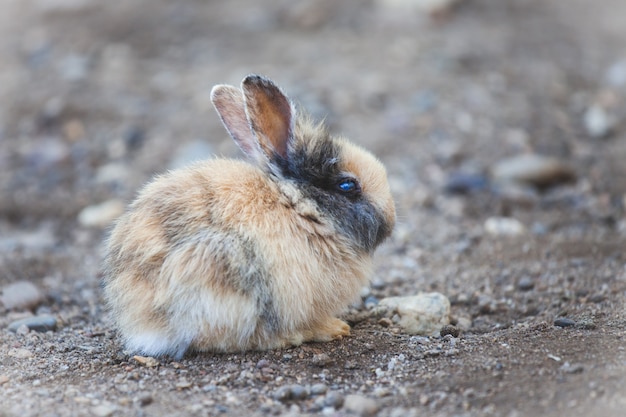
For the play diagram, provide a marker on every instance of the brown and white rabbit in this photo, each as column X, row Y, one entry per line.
column 227, row 255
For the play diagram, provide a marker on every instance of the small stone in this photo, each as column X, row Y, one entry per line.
column 334, row 399
column 385, row 322
column 289, row 393
column 532, row 169
column 525, row 283
column 574, row 368
column 74, row 130
column 101, row 215
column 449, row 329
column 616, row 74
column 464, row 323
column 4, row 379
column 564, row 322
column 319, row 389
column 433, row 8
column 263, row 363
column 20, row 295
column 144, row 400
column 461, row 183
column 103, row 410
column 486, row 304
column 371, row 302
column 597, row 122
column 41, row 324
column 422, row 314
column 360, row 405
column 183, row 383
column 20, row 353
column 22, row 330
column 596, row 298
column 321, row 360
column 504, row 226
column 147, row 361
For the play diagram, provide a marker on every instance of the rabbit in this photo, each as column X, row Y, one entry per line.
column 229, row 255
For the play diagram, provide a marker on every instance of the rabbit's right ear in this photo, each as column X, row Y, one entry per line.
column 231, row 108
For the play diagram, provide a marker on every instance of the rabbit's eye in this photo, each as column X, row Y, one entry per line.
column 348, row 186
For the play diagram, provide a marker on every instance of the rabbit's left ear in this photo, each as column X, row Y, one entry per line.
column 270, row 114
column 230, row 106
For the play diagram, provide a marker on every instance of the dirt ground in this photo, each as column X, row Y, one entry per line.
column 96, row 97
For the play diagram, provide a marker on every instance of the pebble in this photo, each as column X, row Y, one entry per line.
column 39, row 239
column 103, row 410
column 517, row 194
column 101, row 215
column 532, row 169
column 462, row 183
column 360, row 405
column 4, row 379
column 20, row 353
column 293, row 392
column 20, row 295
column 144, row 400
column 41, row 324
column 574, row 368
column 147, row 361
column 334, row 399
column 371, row 302
column 525, row 283
column 504, row 226
column 616, row 74
column 464, row 323
column 319, row 389
column 183, row 383
column 449, row 329
column 564, row 322
column 263, row 363
column 597, row 122
column 421, row 314
column 431, row 7
column 321, row 360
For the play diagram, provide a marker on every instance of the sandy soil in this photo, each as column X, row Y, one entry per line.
column 96, row 97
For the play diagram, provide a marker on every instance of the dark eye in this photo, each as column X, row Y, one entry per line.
column 348, row 186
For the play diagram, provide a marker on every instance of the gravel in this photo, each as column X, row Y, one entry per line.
column 96, row 98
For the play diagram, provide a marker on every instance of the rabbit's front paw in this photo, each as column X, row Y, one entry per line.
column 331, row 329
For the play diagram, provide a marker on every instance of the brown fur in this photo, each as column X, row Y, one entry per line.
column 176, row 258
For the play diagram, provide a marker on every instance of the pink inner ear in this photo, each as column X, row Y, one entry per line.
column 270, row 113
column 230, row 106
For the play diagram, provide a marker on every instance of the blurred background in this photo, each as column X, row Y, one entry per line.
column 502, row 124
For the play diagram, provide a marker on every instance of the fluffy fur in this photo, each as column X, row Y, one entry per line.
column 227, row 255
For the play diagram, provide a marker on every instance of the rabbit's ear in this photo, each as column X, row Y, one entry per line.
column 270, row 114
column 230, row 106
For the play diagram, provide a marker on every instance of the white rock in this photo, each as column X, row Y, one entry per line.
column 597, row 122
column 101, row 215
column 616, row 74
column 504, row 226
column 359, row 405
column 422, row 314
column 425, row 6
column 103, row 410
column 20, row 353
column 532, row 169
column 20, row 295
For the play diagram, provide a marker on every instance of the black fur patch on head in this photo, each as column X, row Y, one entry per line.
column 315, row 164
